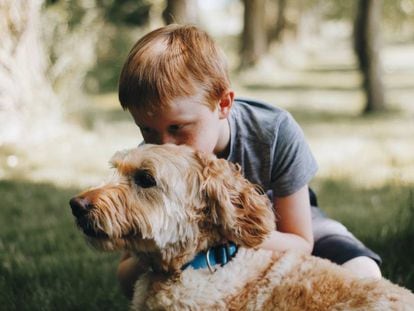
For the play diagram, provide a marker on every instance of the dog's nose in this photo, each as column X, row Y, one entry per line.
column 80, row 206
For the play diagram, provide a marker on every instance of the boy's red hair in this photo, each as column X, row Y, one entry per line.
column 170, row 62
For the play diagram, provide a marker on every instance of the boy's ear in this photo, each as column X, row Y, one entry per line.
column 235, row 205
column 225, row 104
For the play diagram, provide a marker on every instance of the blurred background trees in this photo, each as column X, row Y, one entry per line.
column 54, row 51
column 180, row 12
column 26, row 95
column 367, row 29
column 254, row 35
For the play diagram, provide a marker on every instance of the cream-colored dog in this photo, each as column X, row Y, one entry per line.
column 168, row 204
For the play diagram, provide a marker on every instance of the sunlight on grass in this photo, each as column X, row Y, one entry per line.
column 370, row 153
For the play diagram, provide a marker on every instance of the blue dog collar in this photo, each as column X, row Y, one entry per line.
column 220, row 254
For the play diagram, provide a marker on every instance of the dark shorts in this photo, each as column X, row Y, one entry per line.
column 333, row 241
column 340, row 249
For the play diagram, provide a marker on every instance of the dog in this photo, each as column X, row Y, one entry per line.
column 172, row 206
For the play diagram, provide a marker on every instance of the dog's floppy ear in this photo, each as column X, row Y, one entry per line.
column 235, row 204
column 118, row 158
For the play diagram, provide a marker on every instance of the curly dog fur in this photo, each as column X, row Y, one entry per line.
column 167, row 203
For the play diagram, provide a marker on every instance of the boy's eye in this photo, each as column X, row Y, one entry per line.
column 175, row 127
column 144, row 179
column 145, row 129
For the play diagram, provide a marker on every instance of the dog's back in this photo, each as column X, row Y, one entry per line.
column 254, row 280
column 302, row 282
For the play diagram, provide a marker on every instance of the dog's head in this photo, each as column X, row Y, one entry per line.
column 171, row 202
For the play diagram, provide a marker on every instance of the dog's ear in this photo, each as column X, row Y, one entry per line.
column 234, row 204
column 118, row 158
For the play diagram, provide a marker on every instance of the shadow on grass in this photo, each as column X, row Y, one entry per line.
column 380, row 217
column 45, row 262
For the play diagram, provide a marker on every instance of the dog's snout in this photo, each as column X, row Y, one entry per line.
column 80, row 206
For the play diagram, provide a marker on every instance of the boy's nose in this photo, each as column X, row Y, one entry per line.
column 167, row 139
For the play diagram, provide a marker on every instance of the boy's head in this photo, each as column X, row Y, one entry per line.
column 175, row 84
column 172, row 62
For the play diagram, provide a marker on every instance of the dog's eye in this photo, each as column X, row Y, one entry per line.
column 144, row 179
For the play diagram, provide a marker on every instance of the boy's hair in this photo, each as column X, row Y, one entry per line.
column 170, row 62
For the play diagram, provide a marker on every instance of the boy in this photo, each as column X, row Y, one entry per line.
column 175, row 85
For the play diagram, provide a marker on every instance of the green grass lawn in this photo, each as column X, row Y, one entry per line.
column 381, row 217
column 45, row 263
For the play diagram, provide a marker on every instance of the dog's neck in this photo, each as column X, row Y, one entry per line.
column 174, row 259
column 168, row 263
column 220, row 254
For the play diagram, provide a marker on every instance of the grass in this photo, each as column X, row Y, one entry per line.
column 366, row 181
column 381, row 217
column 45, row 262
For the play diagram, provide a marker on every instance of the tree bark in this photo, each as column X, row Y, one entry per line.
column 280, row 25
column 180, row 12
column 254, row 39
column 367, row 49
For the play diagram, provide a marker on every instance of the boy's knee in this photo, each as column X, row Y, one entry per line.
column 363, row 267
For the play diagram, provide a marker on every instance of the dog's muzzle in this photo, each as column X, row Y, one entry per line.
column 80, row 206
column 80, row 209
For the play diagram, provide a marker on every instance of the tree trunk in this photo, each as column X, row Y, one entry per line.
column 180, row 12
column 280, row 25
column 254, row 40
column 26, row 96
column 367, row 49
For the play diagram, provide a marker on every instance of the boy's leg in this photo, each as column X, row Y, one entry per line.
column 334, row 242
column 363, row 267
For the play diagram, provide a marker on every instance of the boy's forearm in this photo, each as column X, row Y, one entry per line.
column 280, row 241
column 129, row 270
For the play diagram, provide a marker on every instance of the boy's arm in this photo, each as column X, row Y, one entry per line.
column 129, row 270
column 294, row 223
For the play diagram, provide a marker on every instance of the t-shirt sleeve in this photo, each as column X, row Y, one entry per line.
column 293, row 165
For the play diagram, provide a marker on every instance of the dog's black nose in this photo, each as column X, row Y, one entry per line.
column 80, row 206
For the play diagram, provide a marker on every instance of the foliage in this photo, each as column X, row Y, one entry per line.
column 394, row 11
column 71, row 30
column 126, row 12
column 27, row 99
column 100, row 30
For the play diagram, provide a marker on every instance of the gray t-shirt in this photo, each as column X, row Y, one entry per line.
column 270, row 147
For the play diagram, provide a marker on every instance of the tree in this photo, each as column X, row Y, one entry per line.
column 367, row 49
column 280, row 25
column 254, row 39
column 46, row 48
column 27, row 99
column 180, row 12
